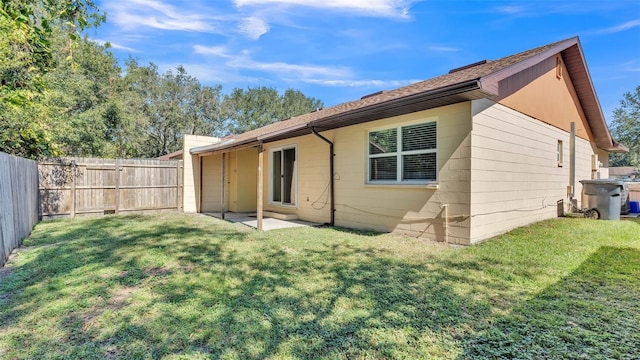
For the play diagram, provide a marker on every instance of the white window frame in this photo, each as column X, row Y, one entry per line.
column 399, row 156
column 271, row 168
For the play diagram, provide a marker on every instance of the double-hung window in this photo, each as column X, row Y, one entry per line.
column 403, row 154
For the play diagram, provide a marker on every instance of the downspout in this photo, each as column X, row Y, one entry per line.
column 332, row 181
column 223, row 189
column 572, row 159
column 200, row 185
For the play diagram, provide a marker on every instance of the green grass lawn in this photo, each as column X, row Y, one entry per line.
column 183, row 287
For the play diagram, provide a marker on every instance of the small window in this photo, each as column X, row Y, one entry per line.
column 560, row 153
column 403, row 154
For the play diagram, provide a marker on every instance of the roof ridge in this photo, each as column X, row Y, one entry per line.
column 473, row 72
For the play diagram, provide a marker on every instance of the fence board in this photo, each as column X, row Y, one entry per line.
column 108, row 186
column 18, row 201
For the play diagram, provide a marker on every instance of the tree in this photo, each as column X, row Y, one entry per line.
column 25, row 56
column 257, row 107
column 625, row 128
column 173, row 105
column 82, row 99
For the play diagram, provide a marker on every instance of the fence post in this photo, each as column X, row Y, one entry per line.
column 73, row 188
column 117, row 166
column 177, row 185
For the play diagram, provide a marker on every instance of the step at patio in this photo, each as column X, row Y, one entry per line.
column 276, row 215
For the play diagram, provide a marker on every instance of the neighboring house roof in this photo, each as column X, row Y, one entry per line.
column 176, row 155
column 475, row 81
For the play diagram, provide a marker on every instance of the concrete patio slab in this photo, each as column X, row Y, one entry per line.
column 268, row 223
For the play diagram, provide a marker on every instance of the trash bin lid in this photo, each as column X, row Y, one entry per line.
column 603, row 182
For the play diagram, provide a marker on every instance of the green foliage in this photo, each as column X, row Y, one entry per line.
column 63, row 94
column 260, row 106
column 173, row 105
column 179, row 286
column 625, row 129
column 26, row 55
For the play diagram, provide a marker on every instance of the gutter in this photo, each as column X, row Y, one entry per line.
column 332, row 180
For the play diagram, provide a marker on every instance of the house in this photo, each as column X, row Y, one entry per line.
column 176, row 155
column 460, row 158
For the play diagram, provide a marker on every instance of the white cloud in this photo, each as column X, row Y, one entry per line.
column 243, row 61
column 113, row 45
column 393, row 8
column 253, row 27
column 287, row 69
column 361, row 83
column 631, row 66
column 511, row 9
column 439, row 48
column 332, row 76
column 156, row 14
column 207, row 73
column 622, row 27
column 219, row 51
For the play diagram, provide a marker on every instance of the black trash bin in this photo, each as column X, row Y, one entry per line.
column 603, row 196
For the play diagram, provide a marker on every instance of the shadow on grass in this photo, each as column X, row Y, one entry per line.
column 593, row 313
column 126, row 287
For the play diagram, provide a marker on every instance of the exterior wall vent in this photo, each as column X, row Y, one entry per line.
column 468, row 66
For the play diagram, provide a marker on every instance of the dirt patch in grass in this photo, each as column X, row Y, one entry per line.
column 120, row 297
column 158, row 271
column 4, row 272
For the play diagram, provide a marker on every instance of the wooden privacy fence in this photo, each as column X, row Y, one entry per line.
column 72, row 187
column 18, row 201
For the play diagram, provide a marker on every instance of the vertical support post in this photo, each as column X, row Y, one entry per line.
column 200, row 185
column 117, row 166
column 572, row 160
column 73, row 188
column 260, row 204
column 179, row 168
column 223, row 202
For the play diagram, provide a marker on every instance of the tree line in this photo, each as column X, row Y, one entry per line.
column 63, row 94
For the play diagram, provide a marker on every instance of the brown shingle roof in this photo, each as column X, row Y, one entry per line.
column 485, row 73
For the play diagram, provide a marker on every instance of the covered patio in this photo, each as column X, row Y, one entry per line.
column 268, row 222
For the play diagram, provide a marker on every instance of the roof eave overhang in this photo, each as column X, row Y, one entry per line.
column 617, row 148
column 220, row 148
column 448, row 95
column 573, row 57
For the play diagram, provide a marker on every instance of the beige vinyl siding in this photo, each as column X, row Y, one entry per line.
column 192, row 170
column 242, row 175
column 211, row 183
column 515, row 179
column 312, row 202
column 414, row 210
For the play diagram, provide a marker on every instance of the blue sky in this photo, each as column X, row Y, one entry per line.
column 340, row 50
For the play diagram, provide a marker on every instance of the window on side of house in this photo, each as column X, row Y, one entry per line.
column 560, row 153
column 284, row 176
column 403, row 154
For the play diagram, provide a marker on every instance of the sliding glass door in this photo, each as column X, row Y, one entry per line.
column 284, row 176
